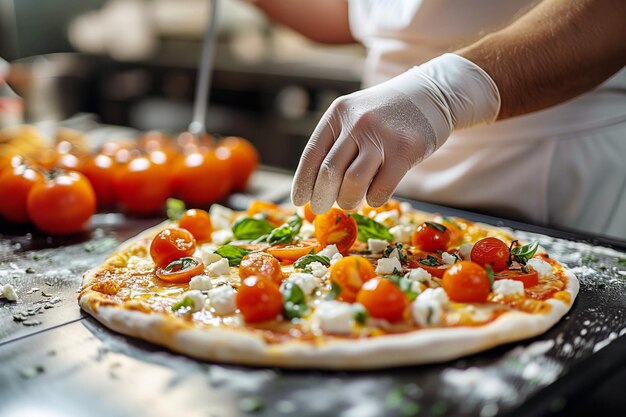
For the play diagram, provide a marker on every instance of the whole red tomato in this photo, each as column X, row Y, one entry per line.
column 16, row 181
column 243, row 158
column 142, row 186
column 201, row 178
column 62, row 204
column 101, row 171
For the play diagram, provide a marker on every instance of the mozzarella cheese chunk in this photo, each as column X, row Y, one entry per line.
column 465, row 251
column 307, row 282
column 508, row 288
column 317, row 269
column 220, row 237
column 428, row 306
column 7, row 291
column 334, row 317
column 223, row 299
column 394, row 254
column 448, row 259
column 388, row 218
column 386, row 266
column 218, row 268
column 200, row 283
column 329, row 251
column 207, row 255
column 376, row 245
column 401, row 233
column 221, row 217
column 307, row 230
column 543, row 268
column 197, row 297
column 420, row 275
column 335, row 258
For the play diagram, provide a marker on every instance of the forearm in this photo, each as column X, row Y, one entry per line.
column 555, row 52
column 320, row 20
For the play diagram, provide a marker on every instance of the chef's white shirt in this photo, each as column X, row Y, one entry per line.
column 564, row 166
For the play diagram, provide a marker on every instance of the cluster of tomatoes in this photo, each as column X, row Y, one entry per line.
column 59, row 189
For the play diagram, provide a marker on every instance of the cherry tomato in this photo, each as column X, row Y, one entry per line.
column 491, row 251
column 383, row 299
column 142, row 187
column 456, row 232
column 101, row 171
column 242, row 157
column 62, row 204
column 259, row 299
column 171, row 244
column 16, row 182
column 370, row 211
column 261, row 264
column 466, row 282
column 202, row 178
column 181, row 270
column 430, row 262
column 271, row 211
column 431, row 237
column 350, row 273
column 309, row 216
column 335, row 227
column 290, row 253
column 529, row 279
column 156, row 141
column 198, row 222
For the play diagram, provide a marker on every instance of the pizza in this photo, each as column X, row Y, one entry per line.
column 373, row 288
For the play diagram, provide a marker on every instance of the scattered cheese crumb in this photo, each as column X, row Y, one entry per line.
column 427, row 307
column 197, row 297
column 200, row 282
column 335, row 258
column 465, row 251
column 334, row 317
column 376, row 245
column 448, row 259
column 307, row 282
column 543, row 268
column 420, row 275
column 218, row 268
column 329, row 251
column 223, row 299
column 7, row 291
column 508, row 288
column 317, row 269
column 386, row 266
column 207, row 255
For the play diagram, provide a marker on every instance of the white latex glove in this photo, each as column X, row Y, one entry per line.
column 367, row 141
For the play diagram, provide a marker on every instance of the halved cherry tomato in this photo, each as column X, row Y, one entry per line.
column 261, row 264
column 309, row 216
column 529, row 279
column 101, row 171
column 171, row 244
column 180, row 271
column 491, row 251
column 335, row 227
column 350, row 273
column 142, row 186
column 62, row 204
column 259, row 299
column 383, row 299
column 273, row 212
column 370, row 211
column 198, row 222
column 466, row 282
column 242, row 157
column 431, row 237
column 16, row 182
column 290, row 253
column 201, row 178
column 430, row 262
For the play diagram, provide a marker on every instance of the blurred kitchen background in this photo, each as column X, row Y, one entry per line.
column 133, row 63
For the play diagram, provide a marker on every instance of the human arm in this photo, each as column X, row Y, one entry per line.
column 368, row 140
column 319, row 20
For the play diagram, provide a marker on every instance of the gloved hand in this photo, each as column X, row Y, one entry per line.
column 367, row 141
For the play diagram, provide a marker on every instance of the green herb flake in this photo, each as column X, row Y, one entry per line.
column 186, row 302
column 589, row 259
column 335, row 291
column 430, row 261
column 30, row 270
column 621, row 261
column 175, row 209
column 250, row 228
column 234, row 254
column 401, row 252
column 439, row 227
column 360, row 314
column 251, row 404
column 490, row 275
column 370, row 229
column 307, row 259
column 32, row 371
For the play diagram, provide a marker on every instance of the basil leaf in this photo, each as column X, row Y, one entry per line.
column 335, row 290
column 175, row 208
column 180, row 264
column 249, row 228
column 490, row 275
column 370, row 229
column 523, row 254
column 294, row 301
column 307, row 259
column 439, row 227
column 186, row 302
column 285, row 233
column 360, row 314
column 234, row 254
column 430, row 261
